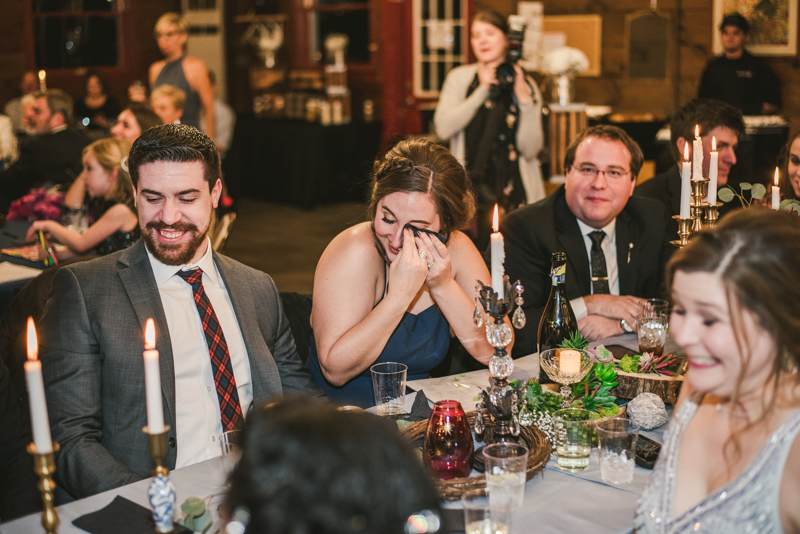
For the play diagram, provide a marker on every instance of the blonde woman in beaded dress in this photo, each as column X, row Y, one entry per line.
column 731, row 457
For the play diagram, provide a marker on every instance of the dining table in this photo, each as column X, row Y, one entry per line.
column 15, row 272
column 555, row 501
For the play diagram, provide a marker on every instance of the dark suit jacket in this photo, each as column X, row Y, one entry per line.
column 91, row 342
column 49, row 158
column 534, row 232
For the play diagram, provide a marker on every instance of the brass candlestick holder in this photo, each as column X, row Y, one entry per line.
column 684, row 231
column 161, row 492
column 44, row 465
column 711, row 214
column 698, row 205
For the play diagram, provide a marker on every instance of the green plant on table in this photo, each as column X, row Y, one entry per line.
column 196, row 516
column 593, row 393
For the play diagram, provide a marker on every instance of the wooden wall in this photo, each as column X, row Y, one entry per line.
column 635, row 96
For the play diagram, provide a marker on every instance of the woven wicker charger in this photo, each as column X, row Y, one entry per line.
column 451, row 490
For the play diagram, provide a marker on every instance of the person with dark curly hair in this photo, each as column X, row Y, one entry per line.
column 384, row 292
column 308, row 467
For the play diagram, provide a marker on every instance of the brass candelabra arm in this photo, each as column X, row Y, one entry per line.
column 44, row 465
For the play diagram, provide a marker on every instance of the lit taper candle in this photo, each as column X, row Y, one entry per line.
column 697, row 155
column 776, row 192
column 152, row 381
column 40, row 423
column 713, row 171
column 686, row 187
column 498, row 255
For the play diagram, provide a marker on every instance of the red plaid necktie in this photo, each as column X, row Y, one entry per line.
column 229, row 406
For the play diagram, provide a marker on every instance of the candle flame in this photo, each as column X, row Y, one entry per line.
column 713, row 144
column 686, row 152
column 33, row 344
column 777, row 175
column 697, row 130
column 42, row 75
column 496, row 219
column 150, row 335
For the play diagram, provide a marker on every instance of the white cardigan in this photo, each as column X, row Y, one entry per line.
column 455, row 111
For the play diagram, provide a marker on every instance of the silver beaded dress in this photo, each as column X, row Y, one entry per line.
column 746, row 504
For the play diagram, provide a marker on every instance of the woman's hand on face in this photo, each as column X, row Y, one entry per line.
column 521, row 90
column 408, row 271
column 486, row 75
column 437, row 256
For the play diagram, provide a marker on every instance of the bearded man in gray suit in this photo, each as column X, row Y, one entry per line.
column 224, row 341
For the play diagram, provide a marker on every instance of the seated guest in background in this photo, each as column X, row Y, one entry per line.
column 716, row 119
column 13, row 108
column 616, row 245
column 736, row 292
column 224, row 342
column 52, row 156
column 358, row 473
column 790, row 164
column 168, row 102
column 134, row 120
column 495, row 133
column 96, row 110
column 738, row 77
column 382, row 294
column 8, row 143
column 106, row 186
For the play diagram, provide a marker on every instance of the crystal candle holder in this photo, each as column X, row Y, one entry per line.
column 550, row 361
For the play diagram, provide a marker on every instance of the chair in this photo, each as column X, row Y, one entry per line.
column 297, row 307
column 223, row 228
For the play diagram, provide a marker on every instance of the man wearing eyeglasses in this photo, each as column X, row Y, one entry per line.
column 616, row 245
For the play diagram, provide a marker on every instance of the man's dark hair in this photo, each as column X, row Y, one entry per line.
column 144, row 114
column 706, row 113
column 737, row 20
column 609, row 133
column 178, row 143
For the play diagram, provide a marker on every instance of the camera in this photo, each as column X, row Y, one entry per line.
column 505, row 72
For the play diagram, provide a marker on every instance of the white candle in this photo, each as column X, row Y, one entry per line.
column 152, row 381
column 697, row 155
column 498, row 256
column 40, row 423
column 686, row 187
column 776, row 192
column 569, row 362
column 42, row 80
column 713, row 171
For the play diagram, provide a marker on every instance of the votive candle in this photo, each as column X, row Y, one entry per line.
column 569, row 362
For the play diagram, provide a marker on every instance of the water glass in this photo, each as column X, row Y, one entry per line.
column 574, row 431
column 652, row 333
column 76, row 219
column 231, row 449
column 447, row 451
column 649, row 307
column 617, row 439
column 389, row 387
column 506, row 466
column 482, row 516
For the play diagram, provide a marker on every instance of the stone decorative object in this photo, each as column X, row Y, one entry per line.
column 648, row 411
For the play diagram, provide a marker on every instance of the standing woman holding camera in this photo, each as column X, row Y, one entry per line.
column 495, row 130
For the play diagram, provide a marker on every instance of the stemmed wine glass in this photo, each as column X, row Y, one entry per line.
column 564, row 372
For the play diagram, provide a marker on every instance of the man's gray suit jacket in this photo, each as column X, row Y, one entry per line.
column 91, row 342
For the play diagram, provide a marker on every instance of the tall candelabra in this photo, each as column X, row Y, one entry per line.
column 702, row 214
column 500, row 399
column 44, row 466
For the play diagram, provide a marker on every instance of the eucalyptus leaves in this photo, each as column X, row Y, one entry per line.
column 195, row 515
column 753, row 194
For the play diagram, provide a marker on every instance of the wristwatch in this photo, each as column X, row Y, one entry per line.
column 625, row 326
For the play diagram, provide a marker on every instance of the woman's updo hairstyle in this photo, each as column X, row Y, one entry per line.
column 756, row 254
column 421, row 166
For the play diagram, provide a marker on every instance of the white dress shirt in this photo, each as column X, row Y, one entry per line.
column 198, row 424
column 609, row 247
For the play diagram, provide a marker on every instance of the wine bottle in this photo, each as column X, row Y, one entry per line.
column 558, row 320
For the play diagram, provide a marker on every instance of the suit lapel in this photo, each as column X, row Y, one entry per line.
column 246, row 315
column 136, row 274
column 626, row 253
column 569, row 236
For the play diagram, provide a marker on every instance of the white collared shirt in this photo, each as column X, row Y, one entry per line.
column 198, row 425
column 609, row 247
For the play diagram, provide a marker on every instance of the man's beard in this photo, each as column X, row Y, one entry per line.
column 178, row 254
